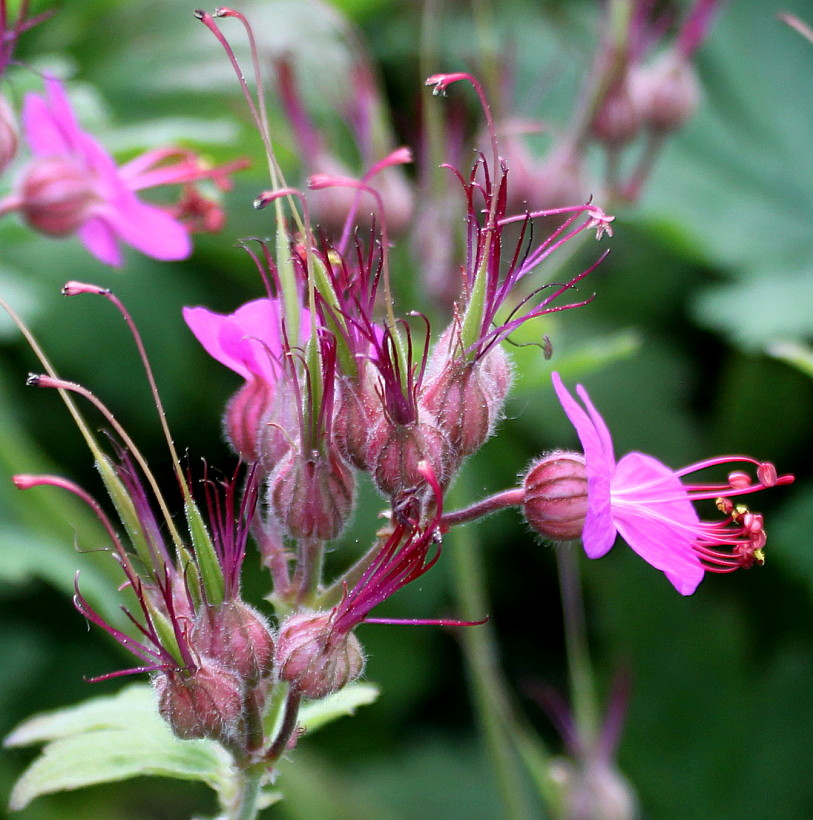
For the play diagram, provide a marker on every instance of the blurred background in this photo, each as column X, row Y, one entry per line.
column 696, row 344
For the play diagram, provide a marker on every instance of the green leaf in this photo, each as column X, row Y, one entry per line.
column 793, row 352
column 110, row 739
column 345, row 702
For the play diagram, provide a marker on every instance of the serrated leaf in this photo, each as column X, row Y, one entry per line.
column 110, row 739
column 318, row 713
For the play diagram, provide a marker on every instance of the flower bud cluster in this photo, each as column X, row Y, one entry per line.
column 233, row 647
column 635, row 97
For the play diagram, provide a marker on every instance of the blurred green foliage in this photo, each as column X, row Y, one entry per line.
column 710, row 271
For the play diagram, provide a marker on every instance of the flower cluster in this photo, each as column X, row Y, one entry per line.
column 339, row 384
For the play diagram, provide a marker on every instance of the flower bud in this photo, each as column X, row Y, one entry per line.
column 208, row 703
column 56, row 196
column 358, row 408
column 279, row 427
column 467, row 399
column 555, row 502
column 397, row 450
column 617, row 120
column 666, row 93
column 9, row 135
column 314, row 657
column 312, row 497
column 593, row 791
column 459, row 401
column 244, row 415
column 237, row 636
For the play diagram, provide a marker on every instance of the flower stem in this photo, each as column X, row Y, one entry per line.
column 486, row 682
column 244, row 806
column 582, row 685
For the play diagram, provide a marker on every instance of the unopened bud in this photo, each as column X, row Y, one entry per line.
column 555, row 502
column 358, row 408
column 279, row 427
column 312, row 497
column 666, row 93
column 593, row 791
column 461, row 403
column 243, row 419
column 237, row 636
column 208, row 703
column 397, row 452
column 56, row 196
column 9, row 135
column 618, row 121
column 314, row 657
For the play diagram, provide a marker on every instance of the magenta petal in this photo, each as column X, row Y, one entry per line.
column 151, row 230
column 50, row 127
column 41, row 132
column 598, row 535
column 232, row 339
column 654, row 515
column 99, row 238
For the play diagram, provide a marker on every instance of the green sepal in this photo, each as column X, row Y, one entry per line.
column 166, row 633
column 211, row 573
column 125, row 509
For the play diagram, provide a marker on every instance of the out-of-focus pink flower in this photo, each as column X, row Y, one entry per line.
column 647, row 503
column 72, row 185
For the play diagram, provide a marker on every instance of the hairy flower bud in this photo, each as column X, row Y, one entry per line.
column 312, row 497
column 666, row 93
column 314, row 657
column 555, row 502
column 279, row 427
column 207, row 703
column 358, row 409
column 467, row 399
column 243, row 418
column 9, row 135
column 56, row 196
column 398, row 450
column 237, row 636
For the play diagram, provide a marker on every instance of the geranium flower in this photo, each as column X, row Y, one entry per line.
column 648, row 504
column 72, row 185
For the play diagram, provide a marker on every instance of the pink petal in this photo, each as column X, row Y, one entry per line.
column 232, row 339
column 99, row 238
column 149, row 229
column 42, row 132
column 654, row 515
column 598, row 535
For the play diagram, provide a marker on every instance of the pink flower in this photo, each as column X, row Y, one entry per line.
column 247, row 341
column 72, row 185
column 252, row 342
column 646, row 503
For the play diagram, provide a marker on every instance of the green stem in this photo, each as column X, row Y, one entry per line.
column 582, row 685
column 486, row 682
column 244, row 806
